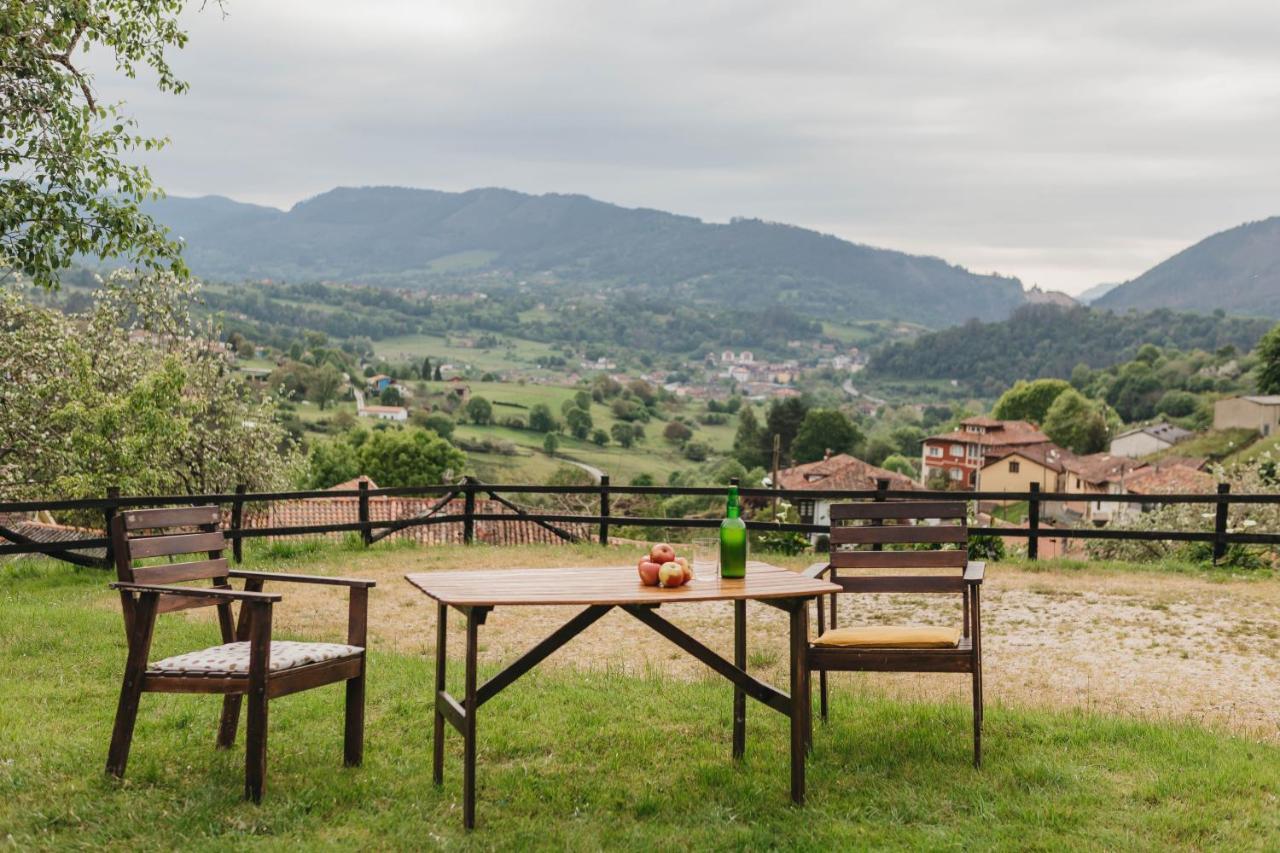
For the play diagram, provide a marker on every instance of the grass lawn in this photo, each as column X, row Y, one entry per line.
column 577, row 760
column 521, row 353
column 1213, row 445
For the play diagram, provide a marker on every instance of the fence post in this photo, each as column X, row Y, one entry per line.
column 366, row 532
column 237, row 521
column 468, row 511
column 604, row 509
column 1033, row 523
column 882, row 486
column 1220, row 524
column 108, row 513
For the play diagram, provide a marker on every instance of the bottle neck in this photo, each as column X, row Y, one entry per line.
column 732, row 509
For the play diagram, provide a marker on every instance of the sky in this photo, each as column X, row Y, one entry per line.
column 1065, row 143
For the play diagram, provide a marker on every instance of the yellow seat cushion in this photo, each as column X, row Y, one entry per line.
column 890, row 637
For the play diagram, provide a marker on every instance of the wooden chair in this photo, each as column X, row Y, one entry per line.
column 248, row 663
column 871, row 527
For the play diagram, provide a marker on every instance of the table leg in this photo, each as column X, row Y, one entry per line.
column 740, row 661
column 437, row 745
column 800, row 700
column 469, row 727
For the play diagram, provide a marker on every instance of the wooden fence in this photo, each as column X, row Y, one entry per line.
column 470, row 503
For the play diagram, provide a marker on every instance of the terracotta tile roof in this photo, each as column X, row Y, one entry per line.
column 1169, row 480
column 1024, row 434
column 353, row 483
column 1196, row 462
column 1102, row 467
column 1049, row 455
column 841, row 471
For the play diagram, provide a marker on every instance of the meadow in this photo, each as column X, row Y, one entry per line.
column 632, row 754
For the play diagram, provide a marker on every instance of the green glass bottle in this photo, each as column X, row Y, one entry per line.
column 733, row 540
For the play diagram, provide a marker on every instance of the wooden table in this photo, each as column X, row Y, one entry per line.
column 476, row 593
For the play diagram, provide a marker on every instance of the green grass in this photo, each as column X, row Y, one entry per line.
column 578, row 761
column 1213, row 445
column 415, row 347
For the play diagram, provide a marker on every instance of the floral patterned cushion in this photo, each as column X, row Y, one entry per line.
column 234, row 657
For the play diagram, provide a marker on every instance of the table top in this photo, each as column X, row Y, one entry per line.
column 609, row 585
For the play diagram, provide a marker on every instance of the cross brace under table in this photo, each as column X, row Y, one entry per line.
column 462, row 715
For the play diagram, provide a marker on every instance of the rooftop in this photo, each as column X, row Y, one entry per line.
column 1101, row 467
column 840, row 471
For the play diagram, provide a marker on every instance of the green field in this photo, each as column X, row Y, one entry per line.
column 513, row 353
column 576, row 760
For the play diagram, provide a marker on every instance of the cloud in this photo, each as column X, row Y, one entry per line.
column 1064, row 143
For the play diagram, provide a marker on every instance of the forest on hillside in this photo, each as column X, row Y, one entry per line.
column 1049, row 341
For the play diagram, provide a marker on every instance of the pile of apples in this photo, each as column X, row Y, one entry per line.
column 661, row 567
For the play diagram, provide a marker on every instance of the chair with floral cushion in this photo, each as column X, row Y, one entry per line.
column 248, row 663
column 899, row 547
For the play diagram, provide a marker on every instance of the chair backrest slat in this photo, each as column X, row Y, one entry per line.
column 900, row 583
column 178, row 543
column 900, row 534
column 898, row 510
column 899, row 559
column 153, row 519
column 196, row 570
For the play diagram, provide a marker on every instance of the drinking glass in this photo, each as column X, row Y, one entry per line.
column 706, row 557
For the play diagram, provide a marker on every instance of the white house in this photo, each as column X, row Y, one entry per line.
column 1147, row 439
column 385, row 413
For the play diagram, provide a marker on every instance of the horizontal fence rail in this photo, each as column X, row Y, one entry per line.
column 469, row 490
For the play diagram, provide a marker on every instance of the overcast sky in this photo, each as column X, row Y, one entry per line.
column 1065, row 143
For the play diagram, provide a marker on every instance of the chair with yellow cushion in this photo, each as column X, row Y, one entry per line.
column 867, row 542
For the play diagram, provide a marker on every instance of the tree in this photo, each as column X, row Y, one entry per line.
column 332, row 462
column 541, row 419
column 550, row 444
column 438, row 376
column 696, row 451
column 405, row 456
column 1268, row 352
column 899, row 464
column 676, row 432
column 624, row 434
column 71, row 183
column 599, row 437
column 391, row 396
column 324, row 386
column 783, row 420
column 425, row 371
column 1076, row 423
column 479, row 410
column 1135, row 392
column 1177, row 404
column 579, row 422
column 747, row 440
column 85, row 405
column 583, row 399
column 1029, row 401
column 823, row 430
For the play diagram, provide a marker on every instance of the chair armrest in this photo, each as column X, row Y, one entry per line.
column 288, row 578
column 974, row 572
column 817, row 570
column 200, row 592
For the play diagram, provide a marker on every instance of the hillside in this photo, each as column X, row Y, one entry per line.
column 1237, row 270
column 486, row 237
column 1048, row 341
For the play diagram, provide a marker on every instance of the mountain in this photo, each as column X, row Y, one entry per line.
column 1237, row 270
column 402, row 237
column 1096, row 292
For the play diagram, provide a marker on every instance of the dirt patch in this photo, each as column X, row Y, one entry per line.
column 1147, row 645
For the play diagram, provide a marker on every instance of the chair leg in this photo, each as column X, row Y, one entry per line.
column 353, row 737
column 822, row 694
column 977, row 716
column 122, row 732
column 255, row 756
column 230, row 721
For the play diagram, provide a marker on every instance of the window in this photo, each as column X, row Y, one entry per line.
column 957, row 450
column 935, row 451
column 956, row 473
column 1077, row 482
column 973, row 451
column 805, row 511
column 1015, row 467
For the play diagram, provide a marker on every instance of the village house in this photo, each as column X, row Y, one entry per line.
column 1261, row 413
column 838, row 472
column 1146, row 440
column 1017, row 468
column 378, row 382
column 385, row 413
column 959, row 455
column 1094, row 474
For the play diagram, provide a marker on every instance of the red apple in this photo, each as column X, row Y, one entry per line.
column 671, row 574
column 688, row 569
column 663, row 553
column 649, row 572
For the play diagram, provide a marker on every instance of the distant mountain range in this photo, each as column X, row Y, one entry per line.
column 1237, row 270
column 492, row 237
